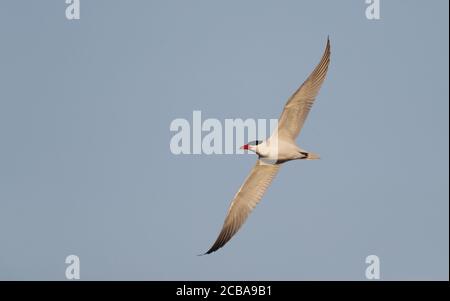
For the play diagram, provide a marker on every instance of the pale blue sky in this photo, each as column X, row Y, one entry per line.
column 85, row 164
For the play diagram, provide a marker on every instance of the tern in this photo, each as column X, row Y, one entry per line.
column 279, row 148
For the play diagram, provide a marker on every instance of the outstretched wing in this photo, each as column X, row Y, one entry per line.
column 298, row 106
column 245, row 200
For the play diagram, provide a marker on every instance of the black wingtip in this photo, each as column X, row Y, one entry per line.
column 206, row 253
column 328, row 46
column 211, row 250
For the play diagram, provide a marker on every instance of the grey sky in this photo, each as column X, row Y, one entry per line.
column 85, row 164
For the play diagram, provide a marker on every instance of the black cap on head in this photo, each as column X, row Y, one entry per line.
column 256, row 142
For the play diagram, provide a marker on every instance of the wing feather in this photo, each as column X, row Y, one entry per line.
column 299, row 104
column 245, row 201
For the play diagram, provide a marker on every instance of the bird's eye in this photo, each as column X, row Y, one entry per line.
column 256, row 142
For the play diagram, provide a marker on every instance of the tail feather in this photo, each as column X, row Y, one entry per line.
column 312, row 156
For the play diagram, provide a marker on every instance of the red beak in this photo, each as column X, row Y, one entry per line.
column 244, row 146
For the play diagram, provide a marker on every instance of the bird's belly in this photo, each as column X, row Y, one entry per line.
column 283, row 153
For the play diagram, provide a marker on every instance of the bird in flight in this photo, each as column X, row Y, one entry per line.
column 279, row 148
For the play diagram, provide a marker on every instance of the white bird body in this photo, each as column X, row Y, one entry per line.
column 274, row 151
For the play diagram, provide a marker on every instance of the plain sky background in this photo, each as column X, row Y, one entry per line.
column 85, row 164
